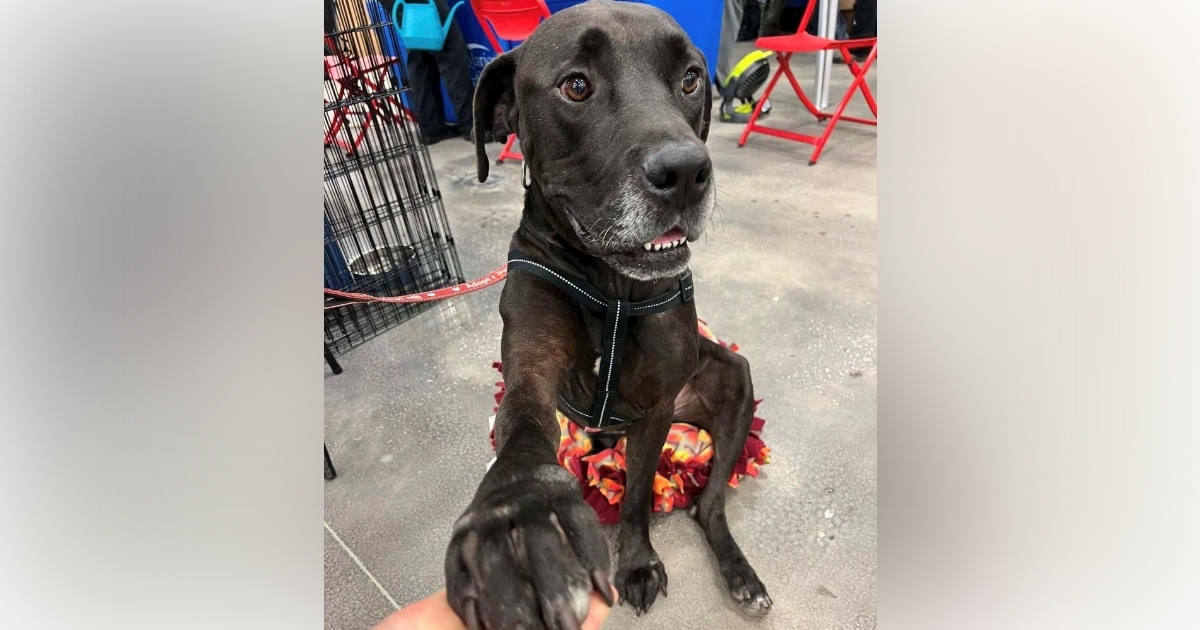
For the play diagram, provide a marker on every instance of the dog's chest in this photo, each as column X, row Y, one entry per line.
column 658, row 358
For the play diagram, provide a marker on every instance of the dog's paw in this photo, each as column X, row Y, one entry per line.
column 527, row 556
column 640, row 582
column 747, row 590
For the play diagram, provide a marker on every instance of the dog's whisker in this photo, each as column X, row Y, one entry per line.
column 604, row 244
column 591, row 227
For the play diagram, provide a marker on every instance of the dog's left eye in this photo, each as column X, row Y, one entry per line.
column 576, row 88
column 690, row 82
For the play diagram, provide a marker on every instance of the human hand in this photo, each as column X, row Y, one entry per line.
column 434, row 613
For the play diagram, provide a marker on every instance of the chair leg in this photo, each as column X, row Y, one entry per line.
column 368, row 117
column 330, row 473
column 332, row 361
column 334, row 127
column 858, row 83
column 507, row 153
column 758, row 107
column 857, row 70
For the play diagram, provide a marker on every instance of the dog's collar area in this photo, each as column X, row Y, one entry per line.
column 616, row 325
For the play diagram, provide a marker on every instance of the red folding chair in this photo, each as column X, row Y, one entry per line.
column 512, row 20
column 784, row 46
column 356, row 79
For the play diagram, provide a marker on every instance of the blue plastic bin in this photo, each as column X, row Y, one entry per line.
column 701, row 19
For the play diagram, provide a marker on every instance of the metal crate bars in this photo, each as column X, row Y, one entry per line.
column 385, row 229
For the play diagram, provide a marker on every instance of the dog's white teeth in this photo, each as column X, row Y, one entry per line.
column 661, row 246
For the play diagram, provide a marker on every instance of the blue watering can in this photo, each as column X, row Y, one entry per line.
column 422, row 28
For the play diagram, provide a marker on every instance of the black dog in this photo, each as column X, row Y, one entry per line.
column 611, row 102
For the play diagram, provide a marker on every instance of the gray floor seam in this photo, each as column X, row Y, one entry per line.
column 361, row 566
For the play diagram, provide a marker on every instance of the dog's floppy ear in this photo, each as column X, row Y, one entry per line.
column 495, row 107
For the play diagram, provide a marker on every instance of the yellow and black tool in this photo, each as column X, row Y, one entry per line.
column 746, row 78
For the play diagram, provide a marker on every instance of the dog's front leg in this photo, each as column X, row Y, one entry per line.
column 640, row 574
column 528, row 551
column 720, row 399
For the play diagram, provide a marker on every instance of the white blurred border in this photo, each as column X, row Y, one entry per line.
column 161, row 383
column 1038, row 323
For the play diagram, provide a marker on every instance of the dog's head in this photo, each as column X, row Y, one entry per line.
column 611, row 102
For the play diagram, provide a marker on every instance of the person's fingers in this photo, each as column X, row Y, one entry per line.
column 598, row 611
column 431, row 613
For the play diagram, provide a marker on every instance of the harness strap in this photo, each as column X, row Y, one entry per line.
column 578, row 289
column 616, row 326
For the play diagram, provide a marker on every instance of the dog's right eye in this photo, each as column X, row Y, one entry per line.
column 690, row 81
column 576, row 88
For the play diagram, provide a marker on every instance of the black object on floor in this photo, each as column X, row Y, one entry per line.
column 334, row 366
column 330, row 473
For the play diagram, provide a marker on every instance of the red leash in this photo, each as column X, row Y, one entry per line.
column 484, row 282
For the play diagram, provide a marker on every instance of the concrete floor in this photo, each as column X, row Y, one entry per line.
column 789, row 273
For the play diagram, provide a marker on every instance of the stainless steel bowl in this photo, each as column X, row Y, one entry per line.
column 380, row 261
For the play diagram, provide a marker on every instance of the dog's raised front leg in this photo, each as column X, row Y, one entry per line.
column 720, row 399
column 640, row 574
column 528, row 550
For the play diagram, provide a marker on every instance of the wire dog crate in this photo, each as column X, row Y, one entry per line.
column 386, row 231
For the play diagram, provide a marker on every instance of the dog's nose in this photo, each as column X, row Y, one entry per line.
column 678, row 171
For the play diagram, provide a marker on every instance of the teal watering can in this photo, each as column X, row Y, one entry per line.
column 422, row 28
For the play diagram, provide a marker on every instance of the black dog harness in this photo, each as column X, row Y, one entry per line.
column 616, row 324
